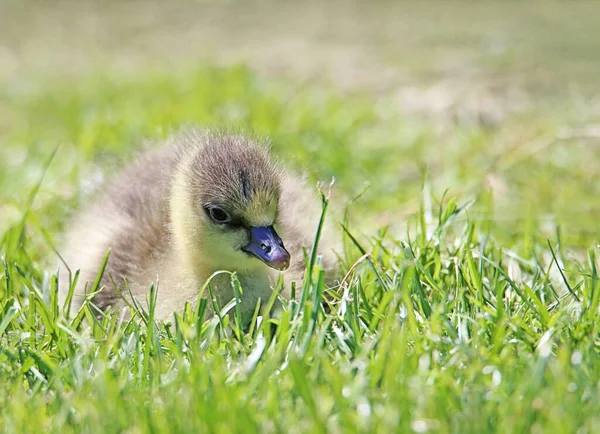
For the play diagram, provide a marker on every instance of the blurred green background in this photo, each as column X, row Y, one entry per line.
column 486, row 98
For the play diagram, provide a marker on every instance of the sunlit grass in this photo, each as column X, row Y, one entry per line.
column 471, row 310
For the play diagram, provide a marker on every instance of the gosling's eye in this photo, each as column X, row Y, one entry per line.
column 218, row 215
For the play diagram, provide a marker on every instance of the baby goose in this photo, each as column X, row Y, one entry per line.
column 205, row 201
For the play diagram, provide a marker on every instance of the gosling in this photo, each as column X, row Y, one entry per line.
column 203, row 202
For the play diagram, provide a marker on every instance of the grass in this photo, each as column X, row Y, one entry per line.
column 469, row 289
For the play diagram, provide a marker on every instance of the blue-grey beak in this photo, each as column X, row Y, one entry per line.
column 266, row 245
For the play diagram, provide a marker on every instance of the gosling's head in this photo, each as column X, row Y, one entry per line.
column 224, row 204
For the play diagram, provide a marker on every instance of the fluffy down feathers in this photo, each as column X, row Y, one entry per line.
column 158, row 220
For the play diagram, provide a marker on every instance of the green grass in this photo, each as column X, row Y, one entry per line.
column 469, row 296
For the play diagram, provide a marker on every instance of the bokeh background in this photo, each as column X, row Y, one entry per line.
column 480, row 99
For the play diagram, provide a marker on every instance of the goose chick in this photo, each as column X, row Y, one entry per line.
column 203, row 202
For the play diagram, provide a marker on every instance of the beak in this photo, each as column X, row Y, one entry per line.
column 266, row 245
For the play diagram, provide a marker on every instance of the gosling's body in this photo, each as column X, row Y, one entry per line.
column 186, row 210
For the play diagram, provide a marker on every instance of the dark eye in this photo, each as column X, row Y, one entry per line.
column 218, row 215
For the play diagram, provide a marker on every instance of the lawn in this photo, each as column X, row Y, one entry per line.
column 468, row 291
